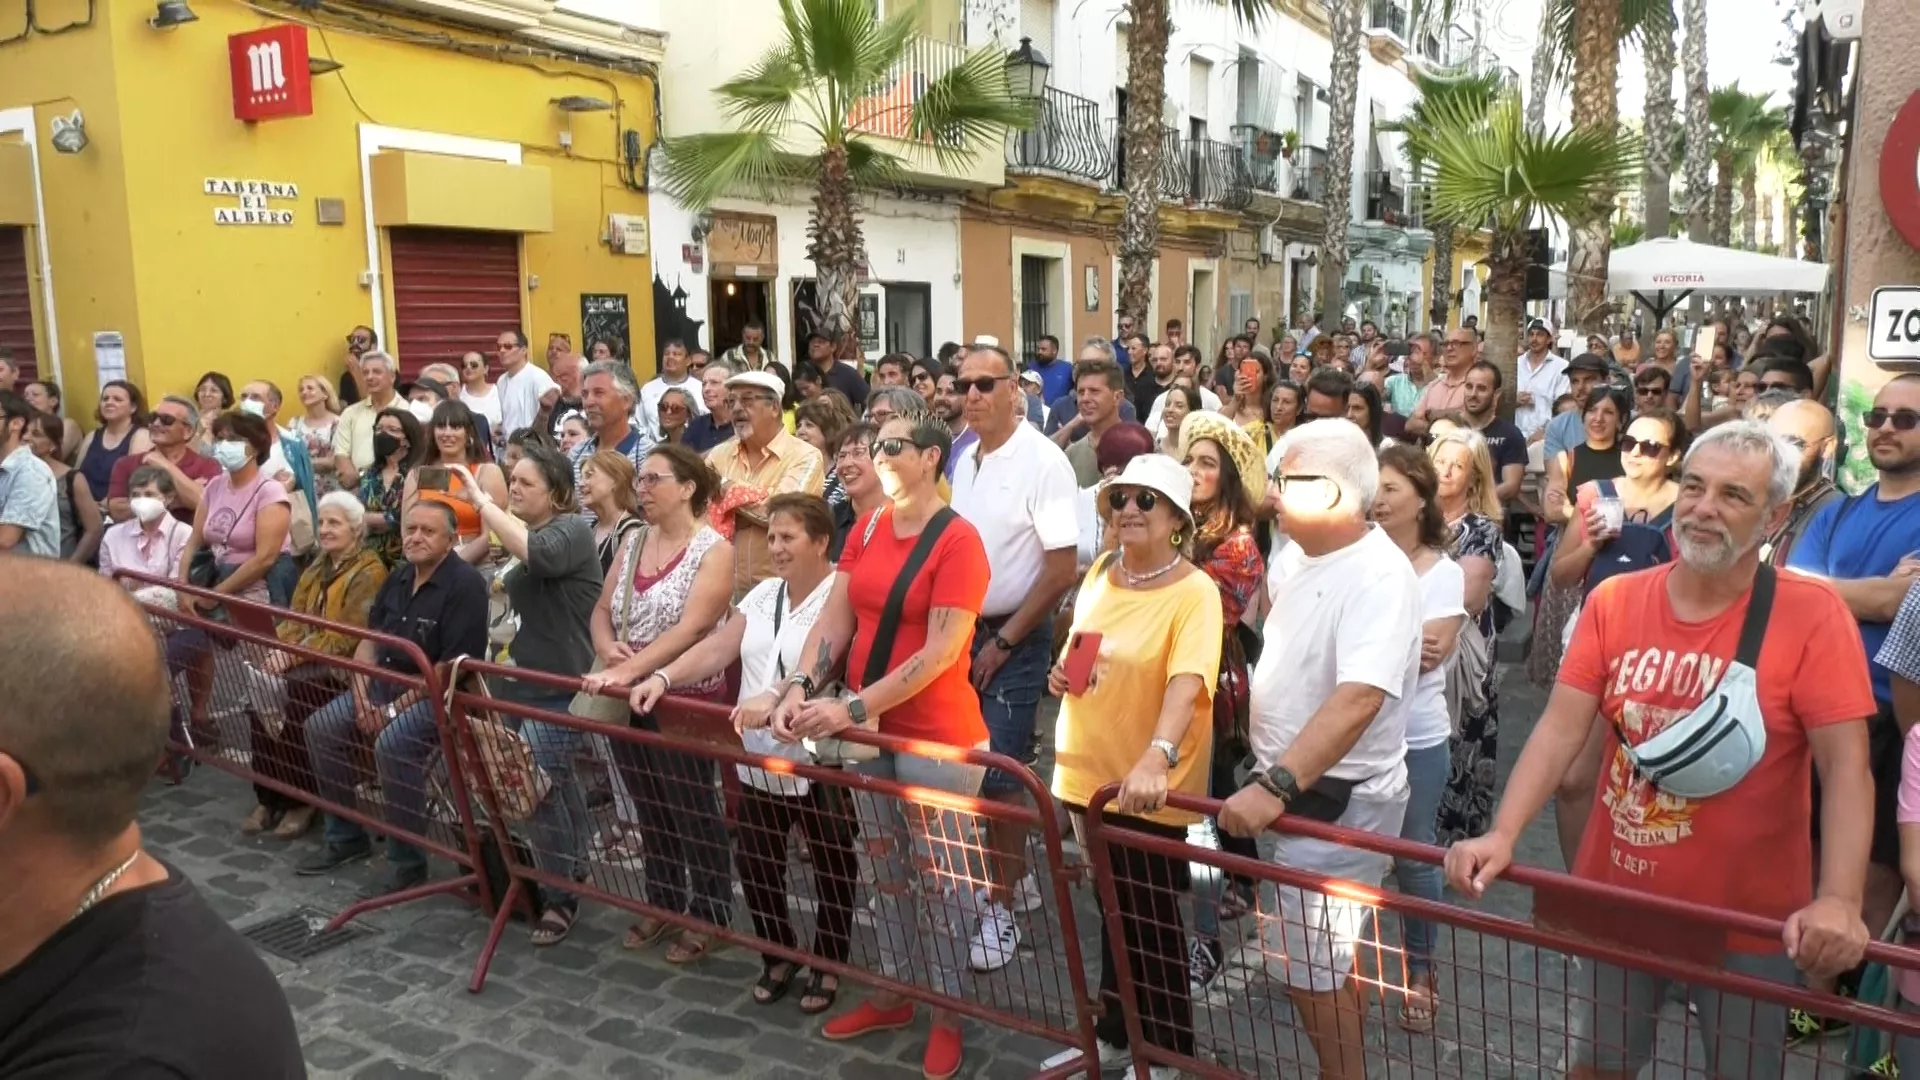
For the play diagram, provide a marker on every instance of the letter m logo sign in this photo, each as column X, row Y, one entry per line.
column 270, row 76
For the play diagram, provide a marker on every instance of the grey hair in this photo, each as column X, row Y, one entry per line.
column 1337, row 449
column 907, row 403
column 621, row 374
column 685, row 397
column 376, row 355
column 1765, row 403
column 1100, row 345
column 1753, row 437
column 717, row 364
column 350, row 508
column 193, row 411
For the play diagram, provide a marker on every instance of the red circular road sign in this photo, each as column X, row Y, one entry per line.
column 1900, row 170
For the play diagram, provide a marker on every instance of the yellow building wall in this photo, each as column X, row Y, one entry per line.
column 276, row 302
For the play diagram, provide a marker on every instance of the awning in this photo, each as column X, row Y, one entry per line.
column 1675, row 264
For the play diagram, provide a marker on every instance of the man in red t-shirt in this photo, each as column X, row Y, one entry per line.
column 174, row 425
column 1649, row 648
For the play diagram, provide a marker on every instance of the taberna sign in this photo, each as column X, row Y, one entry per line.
column 270, row 76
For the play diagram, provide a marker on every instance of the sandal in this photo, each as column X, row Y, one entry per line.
column 691, row 945
column 645, row 932
column 1236, row 900
column 1422, row 1003
column 555, row 924
column 771, row 988
column 819, row 997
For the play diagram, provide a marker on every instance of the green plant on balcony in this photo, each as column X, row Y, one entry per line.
column 807, row 112
column 1289, row 142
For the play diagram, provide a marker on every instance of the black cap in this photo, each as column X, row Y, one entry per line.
column 1587, row 361
column 821, row 334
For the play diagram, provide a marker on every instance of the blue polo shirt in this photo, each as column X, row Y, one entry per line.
column 1056, row 378
column 1861, row 537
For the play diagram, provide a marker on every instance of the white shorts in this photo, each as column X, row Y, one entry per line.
column 1316, row 932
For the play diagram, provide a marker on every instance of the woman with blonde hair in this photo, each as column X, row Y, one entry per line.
column 315, row 427
column 1464, row 468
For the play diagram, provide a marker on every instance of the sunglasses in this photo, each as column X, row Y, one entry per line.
column 1144, row 498
column 1901, row 419
column 672, row 407
column 1649, row 389
column 354, row 339
column 477, row 365
column 163, row 420
column 892, row 447
column 982, row 383
column 1645, row 447
column 504, row 346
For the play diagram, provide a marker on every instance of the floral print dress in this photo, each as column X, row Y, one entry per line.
column 1466, row 807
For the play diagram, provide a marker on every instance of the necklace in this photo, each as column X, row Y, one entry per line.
column 1136, row 580
column 100, row 887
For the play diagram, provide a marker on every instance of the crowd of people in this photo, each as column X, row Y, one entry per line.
column 1277, row 577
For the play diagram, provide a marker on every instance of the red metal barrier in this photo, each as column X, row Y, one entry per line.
column 243, row 701
column 1042, row 994
column 1509, row 1000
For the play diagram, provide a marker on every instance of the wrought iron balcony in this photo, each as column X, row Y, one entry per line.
column 1266, row 168
column 1217, row 175
column 1310, row 174
column 1065, row 138
column 1171, row 161
column 1385, row 202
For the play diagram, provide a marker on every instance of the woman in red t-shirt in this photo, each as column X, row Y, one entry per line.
column 923, row 695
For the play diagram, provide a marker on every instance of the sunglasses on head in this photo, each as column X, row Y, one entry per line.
column 1144, row 498
column 1901, row 419
column 982, row 383
column 1646, row 447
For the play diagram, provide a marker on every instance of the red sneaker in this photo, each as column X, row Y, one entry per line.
column 866, row 1020
column 943, row 1052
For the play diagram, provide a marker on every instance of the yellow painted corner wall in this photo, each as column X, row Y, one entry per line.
column 85, row 195
column 277, row 301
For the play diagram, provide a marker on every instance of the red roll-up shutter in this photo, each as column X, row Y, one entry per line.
column 454, row 290
column 16, row 301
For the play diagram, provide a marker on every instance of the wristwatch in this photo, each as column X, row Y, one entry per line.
column 1280, row 782
column 857, row 711
column 801, row 680
column 1002, row 643
column 1166, row 748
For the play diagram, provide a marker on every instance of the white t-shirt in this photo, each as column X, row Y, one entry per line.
column 519, row 397
column 488, row 405
column 1022, row 499
column 1351, row 616
column 657, row 388
column 1546, row 383
column 760, row 668
column 1209, row 401
column 1442, row 595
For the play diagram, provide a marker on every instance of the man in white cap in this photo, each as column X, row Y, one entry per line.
column 763, row 457
column 1540, row 377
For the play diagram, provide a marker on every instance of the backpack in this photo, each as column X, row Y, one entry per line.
column 1638, row 547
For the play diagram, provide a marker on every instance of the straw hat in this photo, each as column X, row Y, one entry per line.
column 1234, row 442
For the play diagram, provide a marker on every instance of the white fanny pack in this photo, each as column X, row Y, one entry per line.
column 1713, row 747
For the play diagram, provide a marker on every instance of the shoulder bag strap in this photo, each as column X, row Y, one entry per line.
column 623, row 587
column 779, row 610
column 1753, row 631
column 1607, row 490
column 881, row 653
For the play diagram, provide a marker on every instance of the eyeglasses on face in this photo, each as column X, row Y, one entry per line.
column 1144, row 498
column 1282, row 481
column 356, row 339
column 1901, row 419
column 162, row 420
column 892, row 447
column 649, row 479
column 1452, row 344
column 672, row 407
column 736, row 400
column 1649, row 389
column 982, row 383
column 1652, row 448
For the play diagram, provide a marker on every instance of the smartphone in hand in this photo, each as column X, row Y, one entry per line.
column 1083, row 652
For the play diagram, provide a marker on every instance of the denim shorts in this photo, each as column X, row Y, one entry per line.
column 1011, row 702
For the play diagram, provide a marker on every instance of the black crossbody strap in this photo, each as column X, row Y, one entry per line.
column 879, row 657
column 779, row 662
column 1753, row 631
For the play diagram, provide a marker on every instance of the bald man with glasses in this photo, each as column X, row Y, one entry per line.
column 1448, row 392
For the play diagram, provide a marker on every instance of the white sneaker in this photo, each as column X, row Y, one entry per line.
column 1027, row 897
column 1154, row 1072
column 1111, row 1056
column 993, row 946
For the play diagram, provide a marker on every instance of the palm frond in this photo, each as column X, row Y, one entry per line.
column 873, row 168
column 967, row 105
column 886, row 43
column 1638, row 19
column 699, row 169
column 1473, row 92
column 1492, row 166
column 762, row 98
column 837, row 38
column 1251, row 13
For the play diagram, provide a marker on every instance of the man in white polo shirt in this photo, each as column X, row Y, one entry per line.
column 1016, row 487
column 525, row 390
column 1540, row 379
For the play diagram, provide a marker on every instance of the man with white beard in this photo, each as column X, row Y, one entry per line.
column 1723, row 685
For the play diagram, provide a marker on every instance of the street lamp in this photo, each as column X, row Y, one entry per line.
column 1027, row 70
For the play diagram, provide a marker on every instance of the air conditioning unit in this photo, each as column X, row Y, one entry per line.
column 1268, row 244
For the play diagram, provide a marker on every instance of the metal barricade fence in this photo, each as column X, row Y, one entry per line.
column 304, row 727
column 1598, row 975
column 894, row 856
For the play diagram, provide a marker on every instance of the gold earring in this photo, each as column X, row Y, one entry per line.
column 1177, row 538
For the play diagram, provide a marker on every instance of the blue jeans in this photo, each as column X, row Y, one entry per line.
column 1427, row 770
column 559, row 825
column 401, row 753
column 1011, row 700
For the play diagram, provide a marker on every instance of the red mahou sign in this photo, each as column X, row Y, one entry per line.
column 270, row 76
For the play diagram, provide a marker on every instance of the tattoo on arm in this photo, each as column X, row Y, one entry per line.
column 823, row 660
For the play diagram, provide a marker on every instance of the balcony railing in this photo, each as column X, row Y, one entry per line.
column 1384, row 203
column 1065, row 138
column 887, row 109
column 1310, row 174
column 1217, row 175
column 1267, row 169
column 1171, row 162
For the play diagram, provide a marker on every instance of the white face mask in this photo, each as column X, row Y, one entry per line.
column 147, row 508
column 232, row 454
column 253, row 408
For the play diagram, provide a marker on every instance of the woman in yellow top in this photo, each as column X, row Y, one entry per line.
column 338, row 586
column 1145, row 721
column 454, row 439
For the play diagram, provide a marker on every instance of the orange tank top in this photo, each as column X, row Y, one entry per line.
column 466, row 516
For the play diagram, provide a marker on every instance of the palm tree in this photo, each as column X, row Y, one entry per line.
column 1743, row 124
column 1492, row 166
column 1699, row 123
column 1657, row 52
column 1345, row 21
column 798, row 113
column 1469, row 90
column 1773, row 147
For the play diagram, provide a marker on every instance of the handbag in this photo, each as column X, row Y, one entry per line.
column 880, row 654
column 519, row 784
column 1467, row 672
column 599, row 707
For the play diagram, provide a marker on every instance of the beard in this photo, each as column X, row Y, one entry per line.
column 1714, row 555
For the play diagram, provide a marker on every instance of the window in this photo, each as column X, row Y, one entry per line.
column 1239, row 309
column 1036, row 285
column 1036, row 24
column 1199, row 86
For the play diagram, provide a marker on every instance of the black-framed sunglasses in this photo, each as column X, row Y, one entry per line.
column 891, row 447
column 1901, row 419
column 1649, row 389
column 163, row 420
column 1144, row 498
column 355, row 339
column 1652, row 448
column 982, row 383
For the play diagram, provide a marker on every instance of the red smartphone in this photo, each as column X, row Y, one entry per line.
column 1082, row 653
column 1250, row 370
